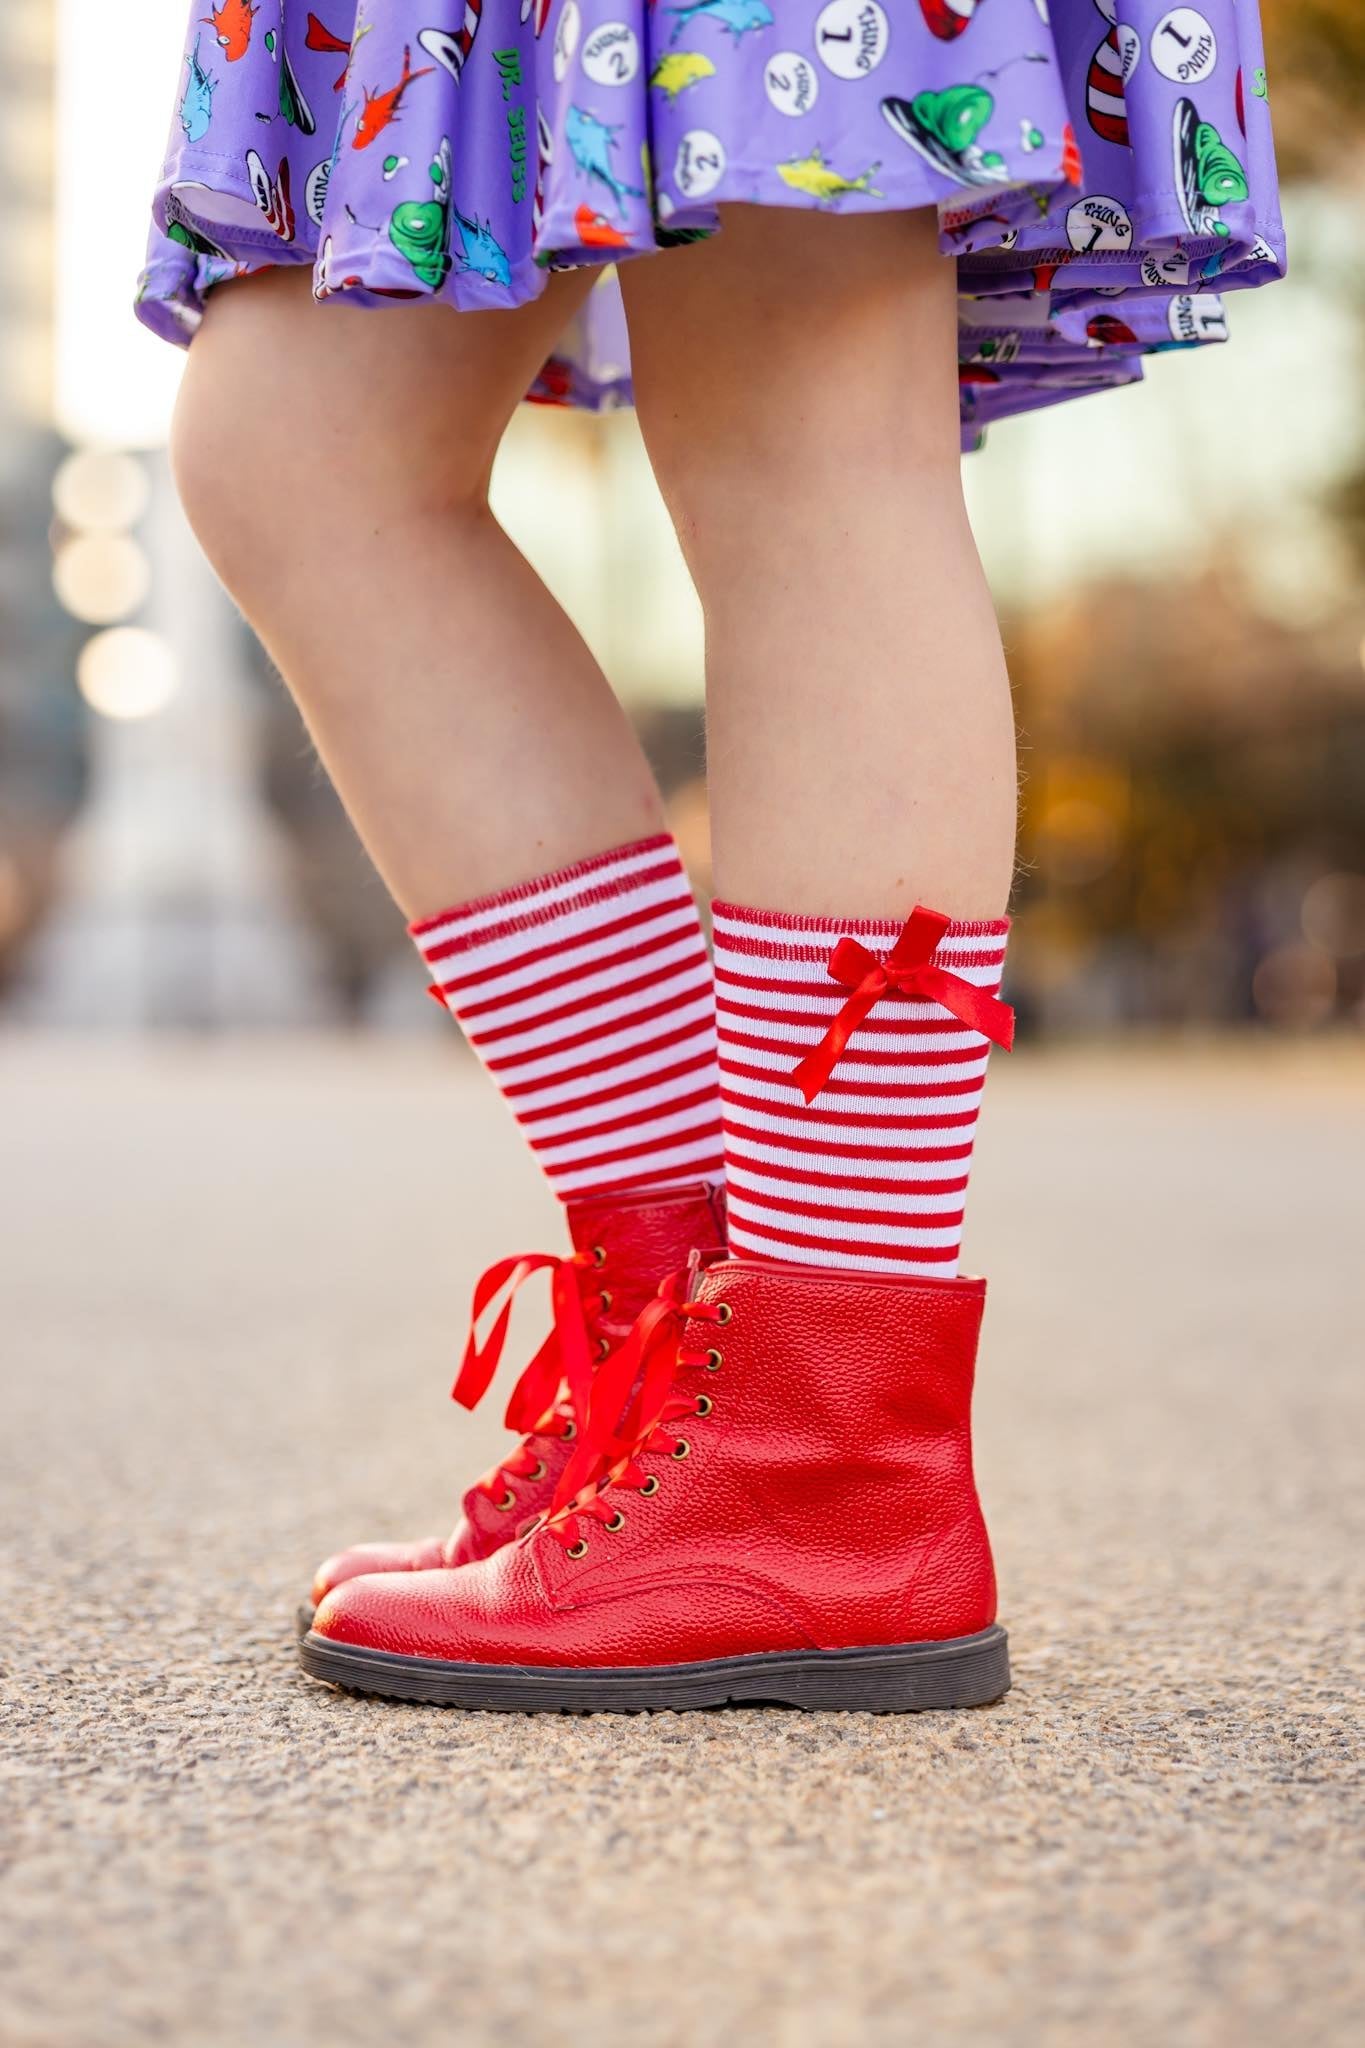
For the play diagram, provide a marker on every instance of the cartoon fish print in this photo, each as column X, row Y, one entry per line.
column 595, row 231
column 948, row 18
column 481, row 252
column 736, row 17
column 272, row 195
column 590, row 143
column 1207, row 174
column 818, row 179
column 320, row 37
column 382, row 107
column 680, row 68
column 943, row 127
column 420, row 228
column 451, row 47
column 232, row 23
column 196, row 107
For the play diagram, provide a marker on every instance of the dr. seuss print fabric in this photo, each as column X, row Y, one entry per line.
column 1102, row 169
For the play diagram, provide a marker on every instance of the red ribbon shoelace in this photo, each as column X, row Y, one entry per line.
column 627, row 1391
column 909, row 970
column 609, row 1462
column 564, row 1357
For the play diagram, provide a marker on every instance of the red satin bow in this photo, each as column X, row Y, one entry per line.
column 564, row 1356
column 910, row 970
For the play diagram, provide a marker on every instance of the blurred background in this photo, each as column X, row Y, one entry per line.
column 1179, row 573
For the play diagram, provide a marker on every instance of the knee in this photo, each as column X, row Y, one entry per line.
column 226, row 478
column 281, row 471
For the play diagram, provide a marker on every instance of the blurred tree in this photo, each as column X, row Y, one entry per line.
column 1316, row 58
column 1315, row 53
column 1192, row 773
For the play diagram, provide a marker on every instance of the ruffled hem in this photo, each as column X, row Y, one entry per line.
column 1075, row 259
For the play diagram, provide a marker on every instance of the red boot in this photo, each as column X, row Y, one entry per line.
column 792, row 1518
column 623, row 1244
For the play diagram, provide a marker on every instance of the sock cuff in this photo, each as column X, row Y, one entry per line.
column 528, row 906
column 787, row 935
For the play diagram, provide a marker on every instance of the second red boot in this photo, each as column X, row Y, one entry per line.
column 789, row 1514
column 624, row 1244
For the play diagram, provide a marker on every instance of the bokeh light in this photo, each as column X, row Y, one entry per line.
column 1078, row 840
column 100, row 490
column 101, row 577
column 126, row 672
column 1295, row 987
column 13, row 896
column 1333, row 915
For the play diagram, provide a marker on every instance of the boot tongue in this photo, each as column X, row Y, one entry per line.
column 700, row 1264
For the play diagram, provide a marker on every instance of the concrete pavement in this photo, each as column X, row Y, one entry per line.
column 234, row 1286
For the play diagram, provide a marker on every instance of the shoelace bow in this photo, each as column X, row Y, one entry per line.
column 552, row 1397
column 640, row 1379
column 909, row 969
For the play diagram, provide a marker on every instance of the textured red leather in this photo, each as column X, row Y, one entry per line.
column 640, row 1238
column 826, row 1501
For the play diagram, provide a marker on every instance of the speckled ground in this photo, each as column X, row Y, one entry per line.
column 234, row 1282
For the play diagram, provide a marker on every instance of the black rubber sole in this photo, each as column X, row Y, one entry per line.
column 904, row 1678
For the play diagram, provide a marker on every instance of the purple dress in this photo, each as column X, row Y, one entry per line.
column 1102, row 170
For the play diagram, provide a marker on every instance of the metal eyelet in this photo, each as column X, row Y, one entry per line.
column 704, row 1404
column 508, row 1502
column 650, row 1487
column 599, row 1255
column 579, row 1549
column 714, row 1361
column 724, row 1312
column 604, row 1300
column 538, row 1470
column 569, row 1431
column 618, row 1521
column 682, row 1448
column 604, row 1347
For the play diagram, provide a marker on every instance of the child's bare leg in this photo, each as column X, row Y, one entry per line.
column 797, row 388
column 334, row 463
column 796, row 381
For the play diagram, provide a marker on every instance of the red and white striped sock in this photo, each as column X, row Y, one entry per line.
column 587, row 995
column 873, row 1173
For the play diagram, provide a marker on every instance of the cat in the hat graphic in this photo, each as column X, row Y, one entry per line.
column 1110, row 69
column 948, row 18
